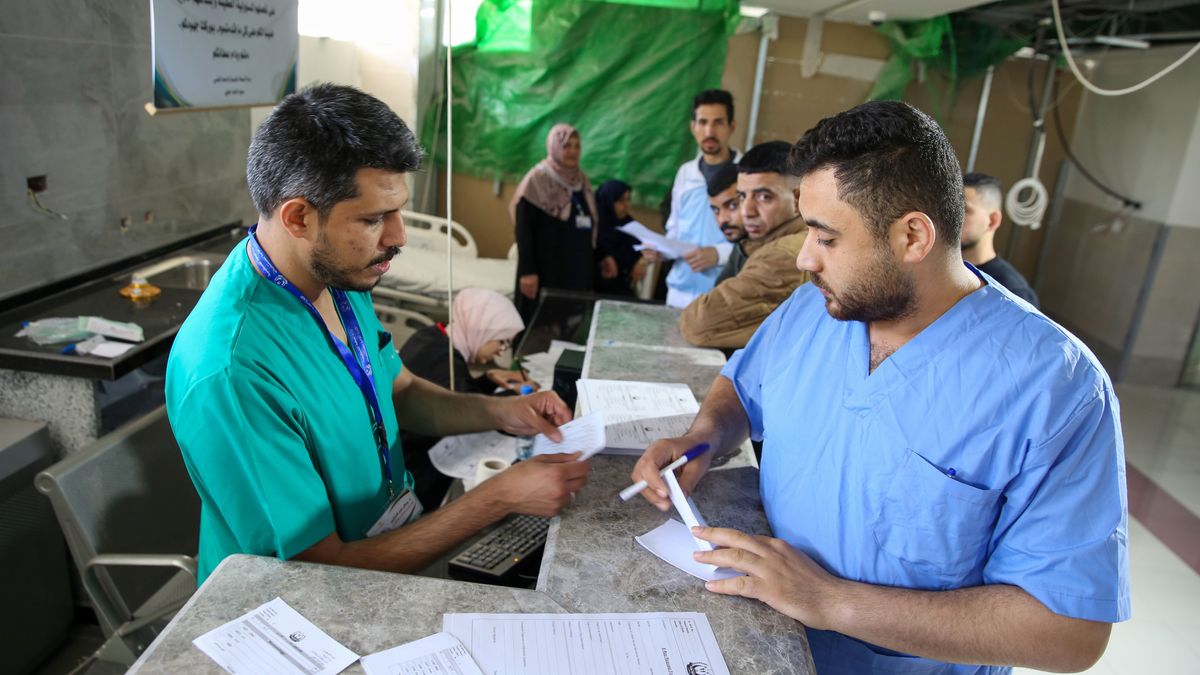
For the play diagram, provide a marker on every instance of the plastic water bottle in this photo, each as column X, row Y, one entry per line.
column 525, row 443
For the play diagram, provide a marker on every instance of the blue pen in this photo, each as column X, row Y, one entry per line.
column 635, row 489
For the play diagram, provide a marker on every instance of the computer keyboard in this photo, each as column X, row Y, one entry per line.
column 504, row 552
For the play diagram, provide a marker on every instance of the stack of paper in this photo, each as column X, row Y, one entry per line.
column 276, row 639
column 673, row 541
column 661, row 643
column 584, row 434
column 670, row 248
column 458, row 456
column 637, row 413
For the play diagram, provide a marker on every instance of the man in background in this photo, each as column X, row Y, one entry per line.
column 691, row 219
column 983, row 218
column 726, row 208
column 729, row 314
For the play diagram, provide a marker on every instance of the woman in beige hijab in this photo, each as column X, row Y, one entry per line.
column 554, row 215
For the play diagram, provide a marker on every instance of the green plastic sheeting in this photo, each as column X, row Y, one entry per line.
column 623, row 73
column 951, row 47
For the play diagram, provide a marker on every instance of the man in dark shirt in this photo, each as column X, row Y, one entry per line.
column 982, row 219
column 726, row 206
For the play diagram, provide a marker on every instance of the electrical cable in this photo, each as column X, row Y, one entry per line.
column 37, row 204
column 1099, row 91
column 1066, row 146
column 1029, row 211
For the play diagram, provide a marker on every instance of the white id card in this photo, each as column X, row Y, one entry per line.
column 583, row 222
column 402, row 510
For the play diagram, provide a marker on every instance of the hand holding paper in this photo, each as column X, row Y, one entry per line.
column 583, row 434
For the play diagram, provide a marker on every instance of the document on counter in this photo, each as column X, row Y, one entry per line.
column 638, row 413
column 583, row 434
column 274, row 639
column 458, row 456
column 671, row 248
column 663, row 643
column 440, row 654
column 673, row 541
column 674, row 544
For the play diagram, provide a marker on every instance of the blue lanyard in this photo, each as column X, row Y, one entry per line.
column 358, row 362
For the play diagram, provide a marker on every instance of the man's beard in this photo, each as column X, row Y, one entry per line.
column 325, row 269
column 887, row 294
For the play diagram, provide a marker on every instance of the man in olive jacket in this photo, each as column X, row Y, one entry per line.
column 729, row 314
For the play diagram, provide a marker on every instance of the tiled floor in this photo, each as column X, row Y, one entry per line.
column 1162, row 441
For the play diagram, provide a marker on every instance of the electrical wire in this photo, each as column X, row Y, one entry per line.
column 1099, row 91
column 37, row 204
column 450, row 188
column 1128, row 202
column 1026, row 212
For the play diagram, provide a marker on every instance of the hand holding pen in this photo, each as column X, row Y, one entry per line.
column 667, row 455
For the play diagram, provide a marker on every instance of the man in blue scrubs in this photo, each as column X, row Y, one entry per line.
column 942, row 465
column 286, row 394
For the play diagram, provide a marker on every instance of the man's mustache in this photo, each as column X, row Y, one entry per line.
column 392, row 252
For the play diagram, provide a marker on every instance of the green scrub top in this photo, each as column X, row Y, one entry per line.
column 274, row 431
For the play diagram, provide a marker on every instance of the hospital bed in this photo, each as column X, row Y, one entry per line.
column 418, row 279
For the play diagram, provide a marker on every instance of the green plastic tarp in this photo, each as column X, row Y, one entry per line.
column 623, row 73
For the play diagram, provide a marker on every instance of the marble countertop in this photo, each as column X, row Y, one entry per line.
column 591, row 562
column 630, row 341
column 365, row 611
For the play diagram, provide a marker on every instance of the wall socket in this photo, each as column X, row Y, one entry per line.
column 36, row 183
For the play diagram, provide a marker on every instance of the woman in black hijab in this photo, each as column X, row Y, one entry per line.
column 620, row 265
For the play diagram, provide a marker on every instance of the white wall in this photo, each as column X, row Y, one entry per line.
column 1139, row 144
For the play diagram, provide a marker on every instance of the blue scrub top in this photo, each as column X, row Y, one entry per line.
column 986, row 450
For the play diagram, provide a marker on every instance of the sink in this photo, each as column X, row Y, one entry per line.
column 192, row 271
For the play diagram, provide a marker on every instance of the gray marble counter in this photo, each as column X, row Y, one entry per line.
column 591, row 562
column 630, row 341
column 365, row 611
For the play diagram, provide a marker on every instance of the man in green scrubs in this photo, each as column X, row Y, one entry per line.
column 285, row 392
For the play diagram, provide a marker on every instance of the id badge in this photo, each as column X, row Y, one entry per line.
column 402, row 510
column 583, row 222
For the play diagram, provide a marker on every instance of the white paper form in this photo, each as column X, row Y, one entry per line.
column 458, row 456
column 438, row 654
column 638, row 413
column 664, row 643
column 671, row 248
column 674, row 544
column 583, row 434
column 686, row 509
column 274, row 639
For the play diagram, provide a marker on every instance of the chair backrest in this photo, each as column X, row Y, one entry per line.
column 128, row 492
column 429, row 232
column 401, row 323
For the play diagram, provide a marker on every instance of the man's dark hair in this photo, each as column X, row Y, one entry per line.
column 710, row 96
column 724, row 178
column 315, row 141
column 985, row 186
column 888, row 158
column 769, row 157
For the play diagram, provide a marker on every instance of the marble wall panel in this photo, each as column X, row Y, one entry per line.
column 85, row 20
column 74, row 77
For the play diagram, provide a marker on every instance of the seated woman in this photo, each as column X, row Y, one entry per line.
column 554, row 216
column 621, row 266
column 481, row 327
